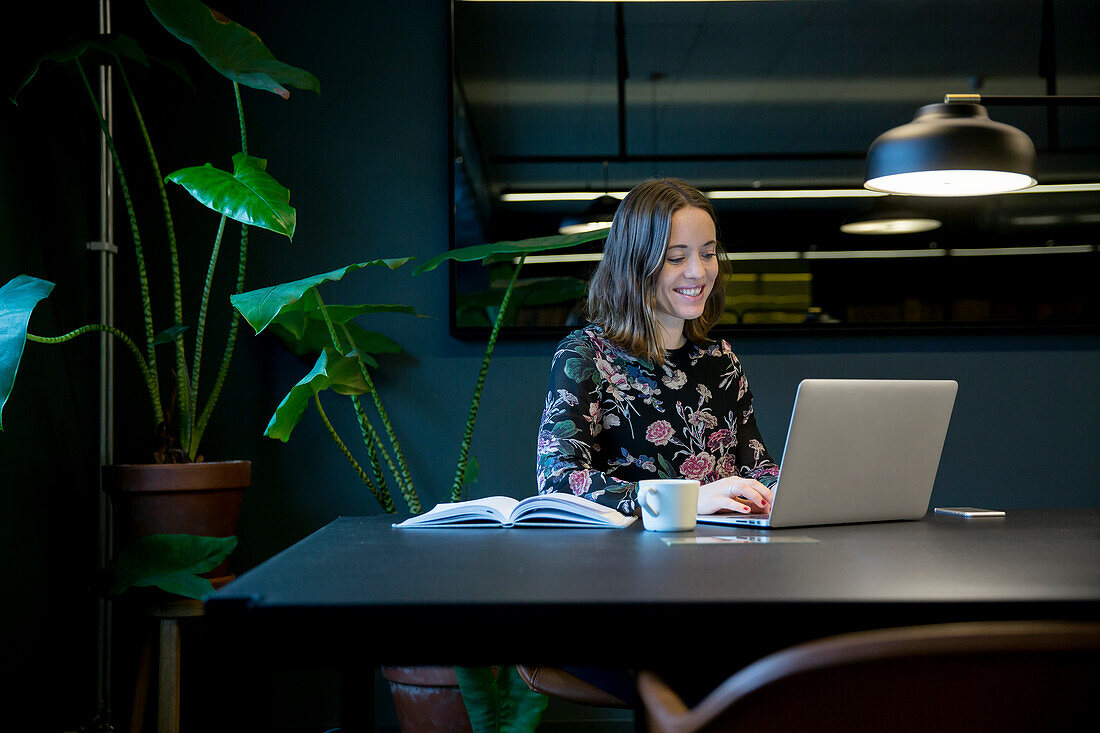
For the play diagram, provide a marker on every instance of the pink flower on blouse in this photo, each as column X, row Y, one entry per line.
column 659, row 433
column 579, row 481
column 611, row 376
column 720, row 439
column 697, row 467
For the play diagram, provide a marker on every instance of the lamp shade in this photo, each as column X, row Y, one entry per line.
column 598, row 215
column 899, row 222
column 891, row 215
column 951, row 149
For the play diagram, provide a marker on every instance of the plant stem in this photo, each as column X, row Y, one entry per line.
column 404, row 478
column 370, row 436
column 187, row 419
column 328, row 323
column 467, row 437
column 143, row 278
column 200, row 328
column 231, row 338
column 227, row 355
column 385, row 501
column 150, row 382
column 240, row 117
column 372, row 452
column 364, row 424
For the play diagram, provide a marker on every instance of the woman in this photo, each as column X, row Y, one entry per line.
column 642, row 392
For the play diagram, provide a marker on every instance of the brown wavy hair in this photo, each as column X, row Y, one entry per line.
column 622, row 294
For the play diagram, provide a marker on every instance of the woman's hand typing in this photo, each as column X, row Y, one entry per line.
column 733, row 494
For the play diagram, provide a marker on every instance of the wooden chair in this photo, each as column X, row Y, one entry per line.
column 556, row 682
column 983, row 676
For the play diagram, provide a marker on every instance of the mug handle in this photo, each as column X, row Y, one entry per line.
column 644, row 499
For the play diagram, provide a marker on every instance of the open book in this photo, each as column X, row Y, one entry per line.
column 544, row 510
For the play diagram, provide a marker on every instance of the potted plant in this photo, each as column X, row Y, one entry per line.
column 167, row 497
column 298, row 314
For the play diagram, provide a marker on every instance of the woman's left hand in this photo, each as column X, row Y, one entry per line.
column 734, row 494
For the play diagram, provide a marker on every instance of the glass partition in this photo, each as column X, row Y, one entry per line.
column 769, row 108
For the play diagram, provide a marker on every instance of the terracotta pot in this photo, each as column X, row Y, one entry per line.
column 427, row 699
column 178, row 498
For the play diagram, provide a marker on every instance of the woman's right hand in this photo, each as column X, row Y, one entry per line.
column 734, row 494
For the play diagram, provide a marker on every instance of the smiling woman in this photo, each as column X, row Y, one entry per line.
column 643, row 392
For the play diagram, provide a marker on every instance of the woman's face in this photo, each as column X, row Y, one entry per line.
column 689, row 271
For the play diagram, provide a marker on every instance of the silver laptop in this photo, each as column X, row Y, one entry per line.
column 858, row 450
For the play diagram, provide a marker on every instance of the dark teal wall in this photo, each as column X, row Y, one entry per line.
column 367, row 164
column 375, row 184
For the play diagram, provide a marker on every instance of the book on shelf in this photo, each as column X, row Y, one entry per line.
column 544, row 510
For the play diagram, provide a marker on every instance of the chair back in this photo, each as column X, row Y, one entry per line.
column 982, row 676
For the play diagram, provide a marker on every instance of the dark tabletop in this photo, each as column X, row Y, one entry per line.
column 361, row 588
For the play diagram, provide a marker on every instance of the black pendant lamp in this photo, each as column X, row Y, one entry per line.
column 891, row 222
column 951, row 149
column 598, row 215
column 890, row 215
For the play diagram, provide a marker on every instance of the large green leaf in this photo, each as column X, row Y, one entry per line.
column 541, row 291
column 480, row 309
column 332, row 371
column 233, row 50
column 172, row 562
column 473, row 318
column 306, row 314
column 249, row 194
column 551, row 291
column 121, row 45
column 18, row 298
column 169, row 334
column 480, row 252
column 316, row 338
column 499, row 703
column 264, row 306
column 344, row 313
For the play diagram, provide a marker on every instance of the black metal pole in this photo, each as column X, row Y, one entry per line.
column 622, row 72
column 105, row 249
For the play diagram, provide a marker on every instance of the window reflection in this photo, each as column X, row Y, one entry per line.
column 536, row 111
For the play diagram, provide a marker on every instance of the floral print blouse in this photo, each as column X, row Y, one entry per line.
column 612, row 419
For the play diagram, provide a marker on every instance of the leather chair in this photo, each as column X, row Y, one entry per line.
column 984, row 676
column 556, row 682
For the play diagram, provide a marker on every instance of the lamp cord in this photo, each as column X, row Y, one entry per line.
column 1048, row 69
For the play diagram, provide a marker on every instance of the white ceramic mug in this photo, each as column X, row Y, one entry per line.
column 668, row 505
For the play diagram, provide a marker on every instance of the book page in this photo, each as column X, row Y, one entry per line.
column 561, row 509
column 494, row 509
